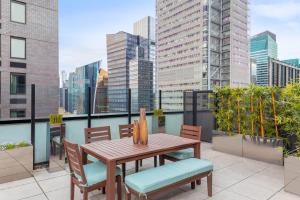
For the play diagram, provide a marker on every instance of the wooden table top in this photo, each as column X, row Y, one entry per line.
column 114, row 150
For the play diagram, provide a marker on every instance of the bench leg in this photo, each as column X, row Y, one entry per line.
column 141, row 163
column 193, row 185
column 209, row 185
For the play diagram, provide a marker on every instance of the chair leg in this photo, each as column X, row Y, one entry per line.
column 60, row 152
column 103, row 190
column 136, row 166
column 155, row 161
column 141, row 163
column 85, row 195
column 72, row 190
column 198, row 182
column 209, row 185
column 54, row 149
column 128, row 196
column 161, row 160
column 124, row 171
column 193, row 185
column 119, row 187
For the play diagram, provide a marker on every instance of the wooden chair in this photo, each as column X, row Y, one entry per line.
column 57, row 140
column 187, row 131
column 87, row 177
column 127, row 131
column 97, row 134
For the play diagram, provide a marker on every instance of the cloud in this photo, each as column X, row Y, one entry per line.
column 282, row 10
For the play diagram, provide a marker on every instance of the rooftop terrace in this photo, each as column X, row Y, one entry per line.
column 235, row 178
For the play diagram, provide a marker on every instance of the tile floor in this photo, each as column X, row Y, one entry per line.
column 234, row 178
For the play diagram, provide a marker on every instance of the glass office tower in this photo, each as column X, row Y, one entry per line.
column 263, row 47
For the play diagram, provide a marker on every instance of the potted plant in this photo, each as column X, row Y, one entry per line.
column 262, row 140
column 289, row 120
column 159, row 121
column 226, row 139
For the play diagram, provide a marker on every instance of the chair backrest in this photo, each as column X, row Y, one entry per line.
column 97, row 134
column 126, row 130
column 191, row 132
column 75, row 161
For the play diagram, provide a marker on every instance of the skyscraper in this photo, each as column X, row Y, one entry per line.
column 101, row 100
column 29, row 55
column 145, row 28
column 79, row 82
column 263, row 47
column 200, row 45
column 141, row 81
column 121, row 49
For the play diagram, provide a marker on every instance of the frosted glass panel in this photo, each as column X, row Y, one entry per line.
column 18, row 46
column 18, row 12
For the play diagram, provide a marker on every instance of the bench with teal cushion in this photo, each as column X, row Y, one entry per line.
column 96, row 172
column 168, row 176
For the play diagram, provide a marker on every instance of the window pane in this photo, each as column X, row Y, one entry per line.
column 18, row 84
column 17, row 113
column 18, row 48
column 18, row 12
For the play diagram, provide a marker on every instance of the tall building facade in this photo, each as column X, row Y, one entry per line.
column 101, row 100
column 145, row 28
column 121, row 49
column 200, row 44
column 141, row 82
column 29, row 55
column 263, row 47
column 79, row 82
column 282, row 73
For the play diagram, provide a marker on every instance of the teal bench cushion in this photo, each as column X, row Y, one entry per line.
column 182, row 154
column 96, row 172
column 156, row 178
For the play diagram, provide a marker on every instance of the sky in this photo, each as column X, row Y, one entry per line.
column 83, row 25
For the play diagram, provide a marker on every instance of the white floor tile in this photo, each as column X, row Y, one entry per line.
column 20, row 192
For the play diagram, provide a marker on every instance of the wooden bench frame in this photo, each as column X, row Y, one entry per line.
column 192, row 180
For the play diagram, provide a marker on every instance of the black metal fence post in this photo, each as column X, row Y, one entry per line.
column 129, row 106
column 160, row 106
column 195, row 108
column 89, row 107
column 33, row 122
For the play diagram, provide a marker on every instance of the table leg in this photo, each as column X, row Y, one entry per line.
column 83, row 156
column 110, row 182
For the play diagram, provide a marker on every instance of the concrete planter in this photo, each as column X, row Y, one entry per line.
column 16, row 164
column 228, row 144
column 266, row 150
column 158, row 124
column 292, row 174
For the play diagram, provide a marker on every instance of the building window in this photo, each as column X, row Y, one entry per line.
column 17, row 113
column 17, row 47
column 18, row 12
column 17, row 83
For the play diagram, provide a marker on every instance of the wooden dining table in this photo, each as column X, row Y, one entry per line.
column 115, row 152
